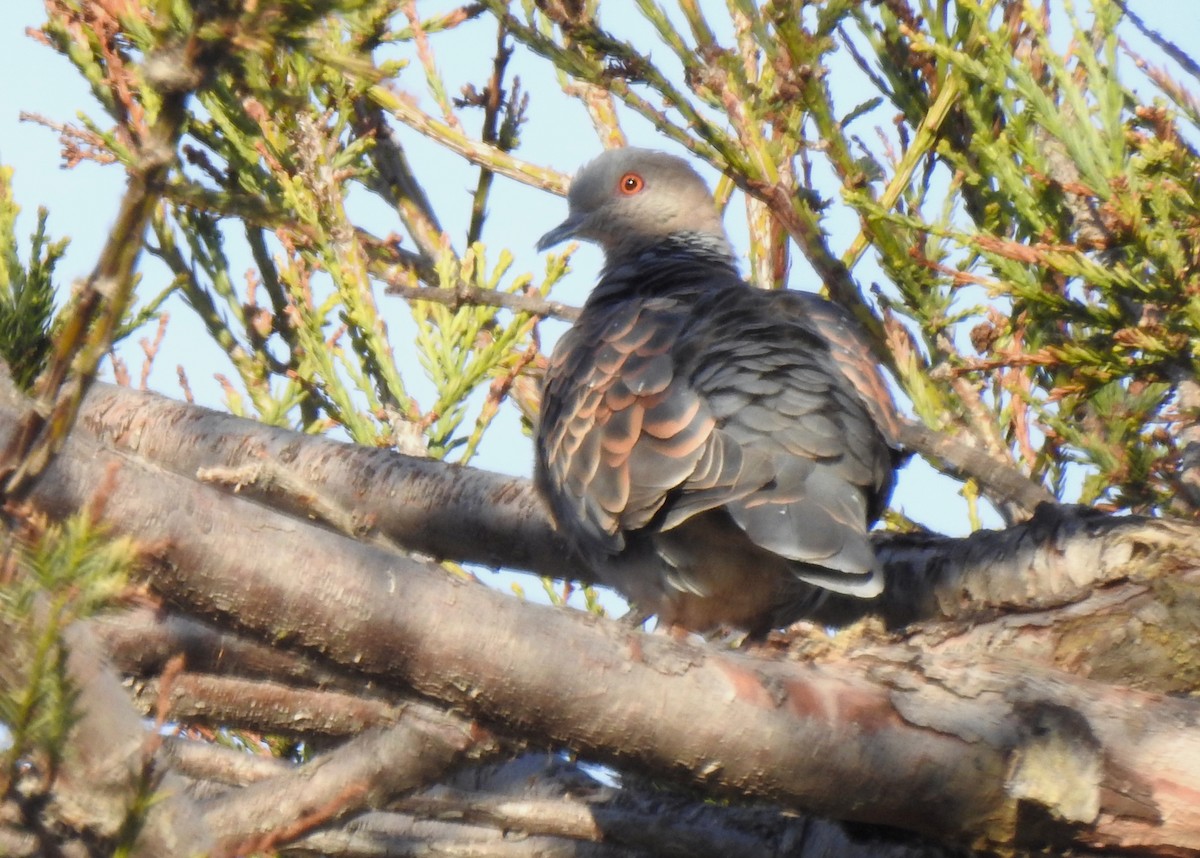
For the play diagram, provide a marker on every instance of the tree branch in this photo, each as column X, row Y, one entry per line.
column 467, row 295
column 366, row 771
column 981, row 749
column 141, row 641
column 479, row 517
column 266, row 707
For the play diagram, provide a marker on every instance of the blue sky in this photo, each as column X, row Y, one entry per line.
column 83, row 201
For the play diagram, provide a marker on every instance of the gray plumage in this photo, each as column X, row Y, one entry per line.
column 701, row 444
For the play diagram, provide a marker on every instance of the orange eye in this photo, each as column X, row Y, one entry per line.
column 631, row 183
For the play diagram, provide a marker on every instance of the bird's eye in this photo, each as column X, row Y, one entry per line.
column 631, row 183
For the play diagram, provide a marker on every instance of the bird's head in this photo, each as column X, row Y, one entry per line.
column 626, row 200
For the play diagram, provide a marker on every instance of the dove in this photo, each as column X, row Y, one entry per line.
column 702, row 445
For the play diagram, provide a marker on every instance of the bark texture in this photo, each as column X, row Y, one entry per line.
column 957, row 740
column 475, row 516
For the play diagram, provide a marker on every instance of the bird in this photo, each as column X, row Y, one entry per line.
column 702, row 445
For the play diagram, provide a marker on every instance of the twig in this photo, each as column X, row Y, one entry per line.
column 397, row 182
column 471, row 149
column 493, row 100
column 466, row 295
column 88, row 331
column 1165, row 45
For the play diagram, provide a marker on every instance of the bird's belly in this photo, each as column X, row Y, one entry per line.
column 705, row 574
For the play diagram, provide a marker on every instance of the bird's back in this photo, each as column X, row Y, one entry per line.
column 704, row 452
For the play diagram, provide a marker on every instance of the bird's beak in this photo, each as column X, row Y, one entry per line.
column 560, row 233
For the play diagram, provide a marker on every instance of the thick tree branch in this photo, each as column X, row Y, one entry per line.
column 419, row 503
column 480, row 517
column 977, row 749
column 364, row 772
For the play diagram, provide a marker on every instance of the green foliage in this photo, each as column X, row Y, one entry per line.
column 1029, row 203
column 26, row 291
column 464, row 348
column 1078, row 219
column 1032, row 215
column 282, row 141
column 68, row 573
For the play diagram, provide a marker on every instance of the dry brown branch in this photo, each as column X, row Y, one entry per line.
column 466, row 295
column 265, row 707
column 426, row 513
column 209, row 762
column 395, row 181
column 422, row 504
column 975, row 748
column 139, row 642
column 997, row 477
column 365, row 772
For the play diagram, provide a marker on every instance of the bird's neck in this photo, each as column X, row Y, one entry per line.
column 679, row 261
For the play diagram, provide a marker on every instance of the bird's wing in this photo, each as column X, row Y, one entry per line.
column 773, row 385
column 625, row 437
column 851, row 352
column 663, row 408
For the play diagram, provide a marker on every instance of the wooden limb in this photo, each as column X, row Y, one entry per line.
column 365, row 772
column 210, row 762
column 983, row 750
column 266, row 707
column 1059, row 557
column 425, row 506
column 395, row 181
column 998, row 478
column 140, row 642
column 427, row 501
